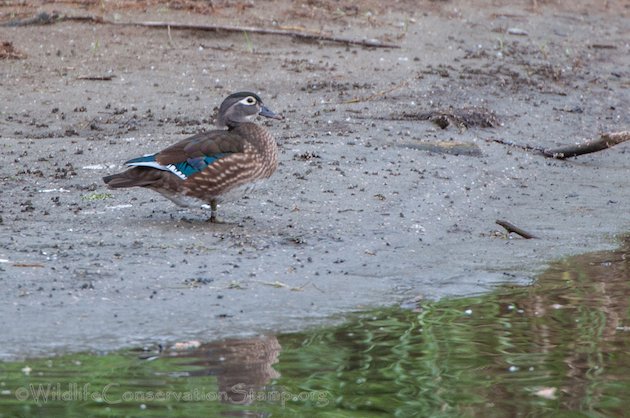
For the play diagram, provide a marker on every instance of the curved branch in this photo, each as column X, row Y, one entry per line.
column 605, row 141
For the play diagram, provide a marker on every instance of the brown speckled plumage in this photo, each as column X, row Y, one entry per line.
column 209, row 165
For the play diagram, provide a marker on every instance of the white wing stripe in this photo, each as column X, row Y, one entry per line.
column 154, row 164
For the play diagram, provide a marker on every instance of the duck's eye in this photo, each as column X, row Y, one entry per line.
column 249, row 100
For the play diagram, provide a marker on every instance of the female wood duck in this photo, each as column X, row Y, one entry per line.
column 207, row 167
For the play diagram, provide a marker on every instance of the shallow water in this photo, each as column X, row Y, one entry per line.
column 560, row 347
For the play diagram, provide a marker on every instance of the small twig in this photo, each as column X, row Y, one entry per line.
column 604, row 141
column 515, row 145
column 96, row 77
column 603, row 46
column 513, row 228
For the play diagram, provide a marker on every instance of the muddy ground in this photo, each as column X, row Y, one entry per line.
column 358, row 214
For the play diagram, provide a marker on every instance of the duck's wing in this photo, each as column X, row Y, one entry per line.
column 206, row 144
column 194, row 154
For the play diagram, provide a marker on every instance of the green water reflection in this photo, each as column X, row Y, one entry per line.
column 560, row 347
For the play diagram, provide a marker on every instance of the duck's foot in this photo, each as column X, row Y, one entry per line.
column 213, row 216
column 213, row 212
column 221, row 221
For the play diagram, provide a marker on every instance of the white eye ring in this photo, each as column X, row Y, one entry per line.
column 249, row 100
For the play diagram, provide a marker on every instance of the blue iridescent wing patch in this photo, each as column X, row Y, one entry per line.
column 191, row 166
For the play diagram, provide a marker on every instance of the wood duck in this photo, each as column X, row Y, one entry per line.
column 211, row 166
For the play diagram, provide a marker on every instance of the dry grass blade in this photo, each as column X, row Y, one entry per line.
column 375, row 95
column 278, row 284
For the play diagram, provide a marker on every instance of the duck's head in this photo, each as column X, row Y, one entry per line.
column 242, row 107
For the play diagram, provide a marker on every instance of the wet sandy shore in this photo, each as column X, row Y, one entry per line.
column 359, row 214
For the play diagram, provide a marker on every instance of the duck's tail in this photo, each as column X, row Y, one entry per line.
column 134, row 177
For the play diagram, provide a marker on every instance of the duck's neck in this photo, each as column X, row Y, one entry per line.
column 231, row 124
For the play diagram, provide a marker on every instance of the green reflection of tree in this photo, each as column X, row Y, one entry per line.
column 558, row 347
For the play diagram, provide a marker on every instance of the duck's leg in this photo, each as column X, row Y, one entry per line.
column 213, row 211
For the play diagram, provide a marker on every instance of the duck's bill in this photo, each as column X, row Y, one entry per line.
column 266, row 112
